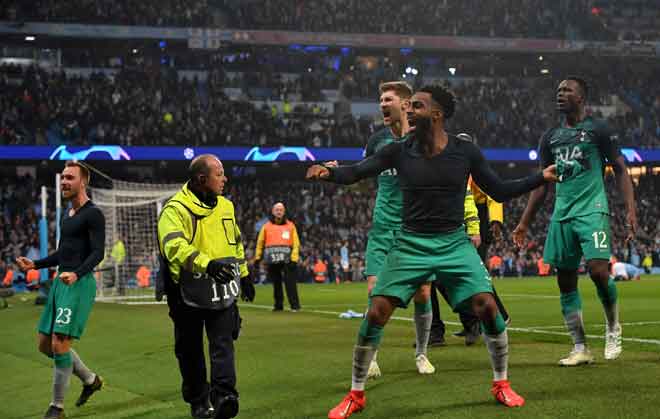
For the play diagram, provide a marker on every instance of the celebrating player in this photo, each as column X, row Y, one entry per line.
column 74, row 289
column 433, row 169
column 580, row 224
column 394, row 101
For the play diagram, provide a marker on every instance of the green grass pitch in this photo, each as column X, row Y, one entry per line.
column 298, row 365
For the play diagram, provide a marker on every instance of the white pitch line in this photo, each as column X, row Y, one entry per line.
column 124, row 297
column 536, row 330
column 140, row 303
column 548, row 327
column 598, row 325
column 513, row 329
column 550, row 332
column 545, row 297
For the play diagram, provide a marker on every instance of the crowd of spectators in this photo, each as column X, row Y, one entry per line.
column 565, row 19
column 188, row 13
column 330, row 217
column 20, row 210
column 152, row 106
column 498, row 18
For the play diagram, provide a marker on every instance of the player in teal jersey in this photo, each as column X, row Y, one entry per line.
column 581, row 146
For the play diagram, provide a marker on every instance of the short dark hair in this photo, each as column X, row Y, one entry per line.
column 584, row 87
column 443, row 96
column 84, row 171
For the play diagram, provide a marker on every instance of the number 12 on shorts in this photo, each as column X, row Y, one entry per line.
column 600, row 239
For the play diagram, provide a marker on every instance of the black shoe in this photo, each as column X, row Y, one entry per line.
column 202, row 411
column 472, row 336
column 277, row 309
column 54, row 412
column 471, row 339
column 88, row 390
column 435, row 341
column 226, row 407
column 460, row 334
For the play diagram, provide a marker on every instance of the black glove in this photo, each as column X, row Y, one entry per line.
column 247, row 289
column 222, row 272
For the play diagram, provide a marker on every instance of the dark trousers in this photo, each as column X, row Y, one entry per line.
column 437, row 325
column 284, row 272
column 470, row 321
column 222, row 327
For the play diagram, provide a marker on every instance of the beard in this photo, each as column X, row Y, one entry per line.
column 422, row 132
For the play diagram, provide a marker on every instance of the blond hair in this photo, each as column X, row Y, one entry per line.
column 401, row 88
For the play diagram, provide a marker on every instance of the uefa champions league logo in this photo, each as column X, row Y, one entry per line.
column 115, row 152
column 301, row 153
column 631, row 155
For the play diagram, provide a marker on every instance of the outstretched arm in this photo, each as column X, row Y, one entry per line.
column 503, row 190
column 369, row 167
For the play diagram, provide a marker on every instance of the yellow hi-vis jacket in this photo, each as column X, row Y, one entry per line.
column 495, row 209
column 191, row 234
column 471, row 214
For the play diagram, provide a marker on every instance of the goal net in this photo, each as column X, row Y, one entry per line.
column 131, row 213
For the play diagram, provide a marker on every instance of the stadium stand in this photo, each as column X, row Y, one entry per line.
column 327, row 216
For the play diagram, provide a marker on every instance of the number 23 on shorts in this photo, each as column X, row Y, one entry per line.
column 63, row 316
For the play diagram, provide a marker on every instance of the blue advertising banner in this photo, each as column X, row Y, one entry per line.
column 256, row 154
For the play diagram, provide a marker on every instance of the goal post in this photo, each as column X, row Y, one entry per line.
column 130, row 261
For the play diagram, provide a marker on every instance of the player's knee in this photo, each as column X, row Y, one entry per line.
column 379, row 311
column 599, row 272
column 566, row 280
column 60, row 344
column 375, row 315
column 484, row 306
column 423, row 294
